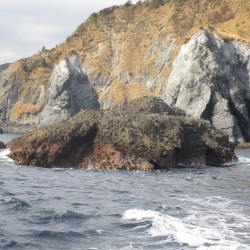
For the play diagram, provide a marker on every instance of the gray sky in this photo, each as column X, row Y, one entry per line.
column 27, row 25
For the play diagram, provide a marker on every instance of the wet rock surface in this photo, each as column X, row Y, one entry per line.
column 137, row 136
column 2, row 145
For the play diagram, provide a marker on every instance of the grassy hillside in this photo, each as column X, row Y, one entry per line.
column 120, row 41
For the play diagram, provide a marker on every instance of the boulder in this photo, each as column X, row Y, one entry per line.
column 1, row 131
column 145, row 134
column 2, row 145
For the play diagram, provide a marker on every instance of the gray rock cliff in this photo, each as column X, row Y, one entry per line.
column 210, row 80
column 37, row 104
column 69, row 92
column 10, row 85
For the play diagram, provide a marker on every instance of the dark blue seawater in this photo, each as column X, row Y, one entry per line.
column 187, row 208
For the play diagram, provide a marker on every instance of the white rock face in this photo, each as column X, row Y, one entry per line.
column 69, row 92
column 210, row 79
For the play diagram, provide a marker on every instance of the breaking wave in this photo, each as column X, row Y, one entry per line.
column 4, row 156
column 219, row 227
column 243, row 160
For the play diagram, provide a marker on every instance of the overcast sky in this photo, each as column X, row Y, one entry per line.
column 27, row 25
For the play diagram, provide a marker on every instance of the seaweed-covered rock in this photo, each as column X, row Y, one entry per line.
column 138, row 136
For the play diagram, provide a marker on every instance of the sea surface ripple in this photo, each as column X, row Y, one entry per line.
column 198, row 207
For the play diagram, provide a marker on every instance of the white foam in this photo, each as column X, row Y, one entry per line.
column 243, row 160
column 164, row 225
column 4, row 155
column 206, row 229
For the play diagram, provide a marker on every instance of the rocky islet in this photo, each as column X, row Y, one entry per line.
column 145, row 134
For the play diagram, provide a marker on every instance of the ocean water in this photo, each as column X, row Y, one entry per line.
column 194, row 207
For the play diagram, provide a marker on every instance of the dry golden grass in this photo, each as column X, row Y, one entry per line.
column 228, row 18
column 25, row 108
column 132, row 29
column 243, row 145
column 117, row 92
column 115, row 41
